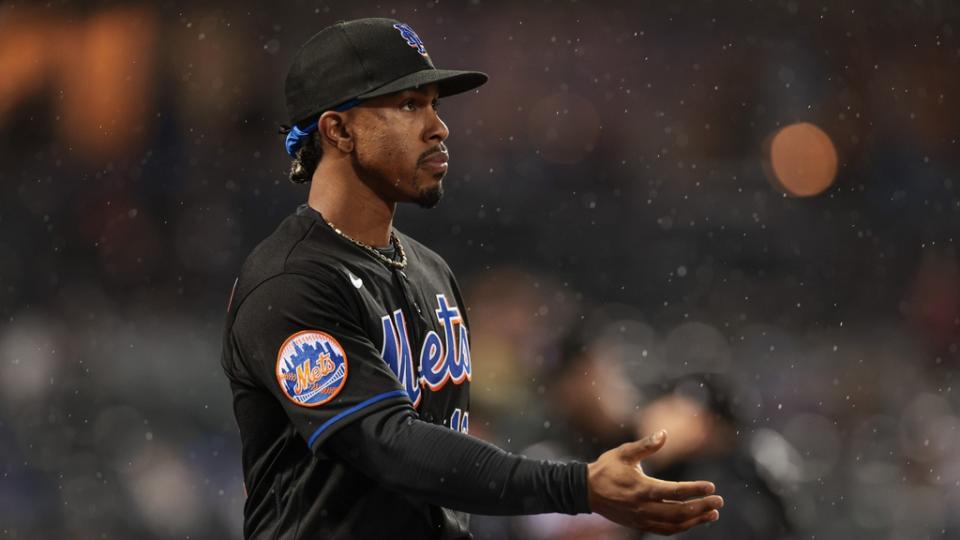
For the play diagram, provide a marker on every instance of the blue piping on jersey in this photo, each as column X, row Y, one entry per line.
column 351, row 410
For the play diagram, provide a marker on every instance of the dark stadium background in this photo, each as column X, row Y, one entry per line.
column 620, row 166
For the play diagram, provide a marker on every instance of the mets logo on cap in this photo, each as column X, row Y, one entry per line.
column 311, row 368
column 412, row 38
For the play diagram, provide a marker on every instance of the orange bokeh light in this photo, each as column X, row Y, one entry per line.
column 106, row 64
column 802, row 160
column 100, row 71
column 22, row 51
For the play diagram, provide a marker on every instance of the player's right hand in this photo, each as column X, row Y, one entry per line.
column 619, row 490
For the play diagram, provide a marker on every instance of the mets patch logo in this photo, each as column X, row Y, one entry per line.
column 412, row 38
column 311, row 368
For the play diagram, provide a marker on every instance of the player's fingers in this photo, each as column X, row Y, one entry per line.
column 679, row 512
column 637, row 450
column 712, row 515
column 667, row 529
column 677, row 491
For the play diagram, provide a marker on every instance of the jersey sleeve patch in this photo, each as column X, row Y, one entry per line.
column 311, row 368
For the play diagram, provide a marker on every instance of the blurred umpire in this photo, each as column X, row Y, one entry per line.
column 347, row 342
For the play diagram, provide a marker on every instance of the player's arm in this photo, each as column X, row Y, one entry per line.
column 445, row 467
column 450, row 469
column 300, row 339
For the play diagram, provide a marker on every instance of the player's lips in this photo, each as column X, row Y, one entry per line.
column 437, row 161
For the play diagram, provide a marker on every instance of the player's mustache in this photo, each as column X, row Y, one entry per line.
column 436, row 150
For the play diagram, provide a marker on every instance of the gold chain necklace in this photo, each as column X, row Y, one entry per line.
column 399, row 265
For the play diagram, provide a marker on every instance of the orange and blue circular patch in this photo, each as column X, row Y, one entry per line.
column 311, row 368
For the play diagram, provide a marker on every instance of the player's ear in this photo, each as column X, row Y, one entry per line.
column 333, row 128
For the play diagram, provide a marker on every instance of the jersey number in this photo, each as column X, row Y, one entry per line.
column 460, row 421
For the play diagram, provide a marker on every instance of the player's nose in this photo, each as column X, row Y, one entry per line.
column 437, row 131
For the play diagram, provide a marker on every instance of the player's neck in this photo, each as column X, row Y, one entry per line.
column 350, row 205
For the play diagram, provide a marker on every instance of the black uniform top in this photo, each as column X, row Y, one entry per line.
column 318, row 334
column 343, row 372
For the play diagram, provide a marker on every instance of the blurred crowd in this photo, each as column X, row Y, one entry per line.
column 638, row 250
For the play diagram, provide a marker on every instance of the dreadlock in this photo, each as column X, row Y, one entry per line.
column 307, row 158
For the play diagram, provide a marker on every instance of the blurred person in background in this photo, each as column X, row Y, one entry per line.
column 707, row 439
column 592, row 404
column 600, row 402
column 520, row 320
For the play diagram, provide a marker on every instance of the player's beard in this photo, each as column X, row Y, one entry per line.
column 426, row 197
column 430, row 197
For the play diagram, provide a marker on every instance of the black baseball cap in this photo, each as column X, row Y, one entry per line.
column 361, row 59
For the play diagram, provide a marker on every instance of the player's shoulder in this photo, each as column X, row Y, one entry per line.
column 295, row 255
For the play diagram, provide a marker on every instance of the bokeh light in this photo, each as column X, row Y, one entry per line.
column 802, row 160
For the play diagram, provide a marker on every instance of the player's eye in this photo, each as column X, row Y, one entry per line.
column 436, row 104
column 409, row 105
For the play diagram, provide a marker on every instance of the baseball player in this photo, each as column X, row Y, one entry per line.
column 347, row 343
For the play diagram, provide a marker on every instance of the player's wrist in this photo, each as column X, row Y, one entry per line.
column 589, row 480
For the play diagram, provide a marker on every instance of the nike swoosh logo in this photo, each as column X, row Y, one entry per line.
column 357, row 282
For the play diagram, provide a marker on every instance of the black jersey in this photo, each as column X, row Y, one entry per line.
column 321, row 333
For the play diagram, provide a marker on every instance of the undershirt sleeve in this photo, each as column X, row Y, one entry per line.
column 447, row 468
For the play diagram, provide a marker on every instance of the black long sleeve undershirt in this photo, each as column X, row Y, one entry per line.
column 453, row 470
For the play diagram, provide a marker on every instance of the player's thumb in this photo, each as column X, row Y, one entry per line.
column 637, row 450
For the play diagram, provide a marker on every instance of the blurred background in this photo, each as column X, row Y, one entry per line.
column 735, row 220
